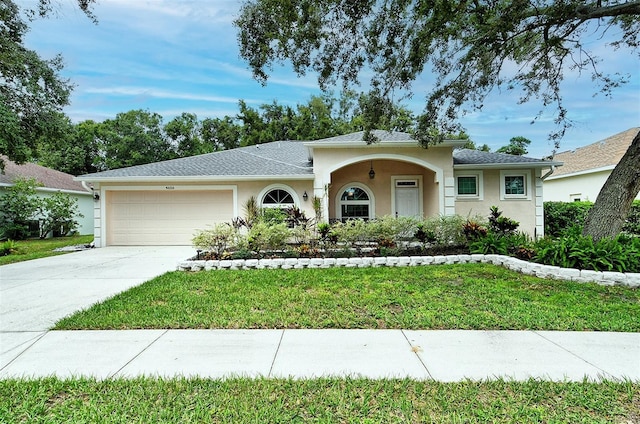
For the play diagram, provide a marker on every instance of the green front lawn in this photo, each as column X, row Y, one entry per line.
column 36, row 248
column 469, row 296
column 320, row 400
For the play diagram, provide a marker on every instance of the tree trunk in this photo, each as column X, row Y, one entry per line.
column 613, row 204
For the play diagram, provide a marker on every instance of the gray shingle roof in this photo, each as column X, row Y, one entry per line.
column 280, row 158
column 269, row 159
column 477, row 157
column 381, row 135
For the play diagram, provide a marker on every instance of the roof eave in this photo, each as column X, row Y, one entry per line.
column 195, row 178
column 506, row 165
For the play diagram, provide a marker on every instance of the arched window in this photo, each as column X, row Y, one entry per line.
column 277, row 198
column 355, row 201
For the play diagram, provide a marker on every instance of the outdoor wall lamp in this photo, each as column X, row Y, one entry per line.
column 305, row 196
column 372, row 173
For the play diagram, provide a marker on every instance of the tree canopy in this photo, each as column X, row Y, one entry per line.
column 472, row 47
column 31, row 91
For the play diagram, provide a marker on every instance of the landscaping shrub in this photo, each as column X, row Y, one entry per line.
column 57, row 215
column 448, row 230
column 216, row 240
column 632, row 223
column 352, row 233
column 573, row 250
column 18, row 205
column 264, row 236
column 8, row 247
column 560, row 216
column 500, row 224
column 387, row 230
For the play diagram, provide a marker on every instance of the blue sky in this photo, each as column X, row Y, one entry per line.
column 174, row 56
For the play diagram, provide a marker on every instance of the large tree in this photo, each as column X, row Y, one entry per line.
column 471, row 46
column 32, row 92
column 133, row 138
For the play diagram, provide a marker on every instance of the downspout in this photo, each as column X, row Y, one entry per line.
column 545, row 176
column 86, row 187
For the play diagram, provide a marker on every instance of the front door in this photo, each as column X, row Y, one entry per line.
column 407, row 198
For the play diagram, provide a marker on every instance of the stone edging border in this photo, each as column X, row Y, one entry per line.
column 605, row 278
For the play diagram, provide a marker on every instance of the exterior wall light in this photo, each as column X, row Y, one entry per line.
column 372, row 173
column 305, row 196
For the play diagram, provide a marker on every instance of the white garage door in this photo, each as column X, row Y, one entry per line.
column 136, row 218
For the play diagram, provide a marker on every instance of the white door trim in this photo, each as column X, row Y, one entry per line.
column 394, row 179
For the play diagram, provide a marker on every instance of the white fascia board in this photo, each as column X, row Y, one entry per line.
column 53, row 190
column 585, row 172
column 196, row 178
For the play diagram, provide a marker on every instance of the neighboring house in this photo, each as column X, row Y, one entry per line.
column 53, row 181
column 586, row 169
column 164, row 203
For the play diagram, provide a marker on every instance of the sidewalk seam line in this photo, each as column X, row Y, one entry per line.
column 27, row 348
column 138, row 354
column 273, row 362
column 574, row 354
column 416, row 353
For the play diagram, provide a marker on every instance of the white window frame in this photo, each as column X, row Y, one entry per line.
column 527, row 185
column 292, row 192
column 340, row 202
column 479, row 185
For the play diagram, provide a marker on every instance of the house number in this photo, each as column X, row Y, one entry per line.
column 169, row 187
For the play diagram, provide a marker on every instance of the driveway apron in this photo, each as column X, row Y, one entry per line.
column 34, row 295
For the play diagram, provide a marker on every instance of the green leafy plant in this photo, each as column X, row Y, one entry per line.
column 573, row 250
column 263, row 236
column 8, row 247
column 491, row 243
column 272, row 216
column 473, row 230
column 424, row 235
column 216, row 240
column 19, row 204
column 352, row 233
column 632, row 223
column 559, row 217
column 501, row 224
column 57, row 215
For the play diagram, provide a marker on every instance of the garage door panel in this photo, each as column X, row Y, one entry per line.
column 164, row 218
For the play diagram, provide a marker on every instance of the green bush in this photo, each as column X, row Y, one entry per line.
column 447, row 230
column 387, row 230
column 263, row 236
column 632, row 223
column 216, row 240
column 500, row 224
column 560, row 216
column 8, row 247
column 19, row 204
column 573, row 250
column 351, row 232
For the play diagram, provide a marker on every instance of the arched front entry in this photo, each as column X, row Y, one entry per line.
column 378, row 187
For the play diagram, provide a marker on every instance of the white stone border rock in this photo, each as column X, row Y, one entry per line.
column 604, row 278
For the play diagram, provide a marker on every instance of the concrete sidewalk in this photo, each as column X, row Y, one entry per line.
column 440, row 355
column 36, row 294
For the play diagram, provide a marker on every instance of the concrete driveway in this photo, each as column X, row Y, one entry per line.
column 35, row 294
